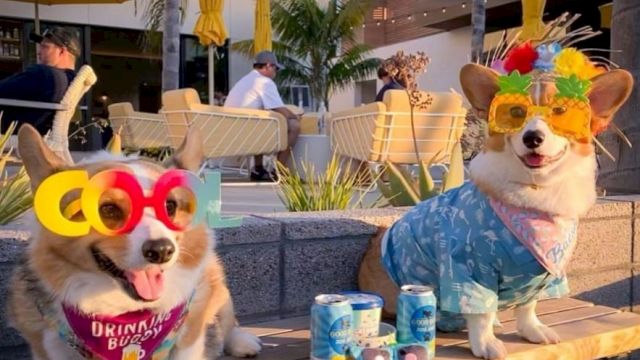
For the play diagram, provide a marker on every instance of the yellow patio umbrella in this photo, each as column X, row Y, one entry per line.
column 211, row 32
column 605, row 15
column 262, row 31
column 64, row 2
column 210, row 27
column 532, row 25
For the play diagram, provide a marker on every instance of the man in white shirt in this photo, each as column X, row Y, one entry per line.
column 256, row 90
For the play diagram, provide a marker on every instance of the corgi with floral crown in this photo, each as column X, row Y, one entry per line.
column 503, row 239
column 156, row 291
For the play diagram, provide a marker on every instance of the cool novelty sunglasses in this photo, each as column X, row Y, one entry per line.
column 52, row 190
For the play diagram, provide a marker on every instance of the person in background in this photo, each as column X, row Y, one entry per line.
column 389, row 83
column 257, row 90
column 46, row 82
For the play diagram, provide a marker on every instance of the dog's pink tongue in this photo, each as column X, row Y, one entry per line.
column 534, row 159
column 148, row 282
column 410, row 357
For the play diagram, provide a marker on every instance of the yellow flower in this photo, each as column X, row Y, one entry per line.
column 572, row 61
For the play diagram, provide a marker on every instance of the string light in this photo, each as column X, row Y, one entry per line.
column 364, row 26
column 410, row 17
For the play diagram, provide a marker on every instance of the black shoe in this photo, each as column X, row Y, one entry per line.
column 263, row 175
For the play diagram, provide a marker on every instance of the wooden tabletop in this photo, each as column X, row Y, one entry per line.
column 588, row 331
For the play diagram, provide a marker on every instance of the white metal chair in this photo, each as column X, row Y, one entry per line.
column 226, row 132
column 382, row 131
column 140, row 130
column 58, row 137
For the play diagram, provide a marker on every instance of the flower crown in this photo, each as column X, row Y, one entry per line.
column 552, row 58
column 570, row 68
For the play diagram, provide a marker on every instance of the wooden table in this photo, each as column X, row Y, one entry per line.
column 588, row 331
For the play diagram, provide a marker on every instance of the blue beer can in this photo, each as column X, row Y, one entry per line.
column 416, row 322
column 331, row 319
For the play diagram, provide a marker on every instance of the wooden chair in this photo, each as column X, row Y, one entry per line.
column 58, row 138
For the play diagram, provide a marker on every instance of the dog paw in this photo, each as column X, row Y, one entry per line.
column 488, row 347
column 242, row 344
column 539, row 334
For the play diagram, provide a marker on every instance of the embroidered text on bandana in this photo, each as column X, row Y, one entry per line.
column 550, row 239
column 130, row 336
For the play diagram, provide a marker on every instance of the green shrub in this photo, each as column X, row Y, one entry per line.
column 335, row 189
column 15, row 190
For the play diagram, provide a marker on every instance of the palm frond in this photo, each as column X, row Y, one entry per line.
column 153, row 18
column 310, row 40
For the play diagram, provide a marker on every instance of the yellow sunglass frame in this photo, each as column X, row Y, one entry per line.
column 562, row 116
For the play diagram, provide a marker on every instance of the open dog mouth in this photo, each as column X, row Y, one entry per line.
column 534, row 160
column 141, row 285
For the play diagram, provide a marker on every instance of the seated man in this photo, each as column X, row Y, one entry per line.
column 389, row 83
column 256, row 90
column 47, row 82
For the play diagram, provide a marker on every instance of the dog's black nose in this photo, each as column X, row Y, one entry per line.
column 158, row 251
column 533, row 138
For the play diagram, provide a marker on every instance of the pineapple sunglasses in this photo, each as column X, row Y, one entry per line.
column 565, row 117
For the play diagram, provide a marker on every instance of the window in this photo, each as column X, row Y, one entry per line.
column 195, row 69
column 365, row 92
column 300, row 95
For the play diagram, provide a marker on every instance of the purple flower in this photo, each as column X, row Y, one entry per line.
column 498, row 65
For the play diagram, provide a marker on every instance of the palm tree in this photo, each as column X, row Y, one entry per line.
column 624, row 174
column 166, row 14
column 171, row 46
column 478, row 13
column 317, row 45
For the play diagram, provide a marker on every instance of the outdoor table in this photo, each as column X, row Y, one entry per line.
column 588, row 331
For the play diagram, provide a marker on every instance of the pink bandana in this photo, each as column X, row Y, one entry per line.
column 130, row 336
column 550, row 239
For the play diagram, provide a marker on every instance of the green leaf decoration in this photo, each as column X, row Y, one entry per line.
column 514, row 83
column 572, row 87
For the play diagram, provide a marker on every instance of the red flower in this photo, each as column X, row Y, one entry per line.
column 521, row 58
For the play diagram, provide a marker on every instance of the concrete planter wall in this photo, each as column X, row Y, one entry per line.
column 276, row 264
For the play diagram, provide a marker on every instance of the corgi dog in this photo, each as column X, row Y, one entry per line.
column 535, row 173
column 150, row 293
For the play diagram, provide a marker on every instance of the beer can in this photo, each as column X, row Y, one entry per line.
column 416, row 321
column 331, row 319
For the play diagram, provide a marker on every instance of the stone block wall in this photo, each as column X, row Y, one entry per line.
column 276, row 264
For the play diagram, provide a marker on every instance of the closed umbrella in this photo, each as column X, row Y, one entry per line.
column 211, row 32
column 262, row 32
column 532, row 25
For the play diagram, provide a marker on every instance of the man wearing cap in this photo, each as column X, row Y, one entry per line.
column 46, row 82
column 257, row 90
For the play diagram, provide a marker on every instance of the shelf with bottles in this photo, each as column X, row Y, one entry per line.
column 10, row 41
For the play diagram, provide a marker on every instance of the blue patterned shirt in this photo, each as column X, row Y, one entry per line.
column 457, row 244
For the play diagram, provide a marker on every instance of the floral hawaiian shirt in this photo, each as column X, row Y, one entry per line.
column 479, row 255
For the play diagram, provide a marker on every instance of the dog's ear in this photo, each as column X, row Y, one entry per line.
column 480, row 85
column 190, row 154
column 608, row 92
column 38, row 159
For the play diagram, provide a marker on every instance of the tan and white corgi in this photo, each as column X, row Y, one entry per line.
column 454, row 243
column 152, row 293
